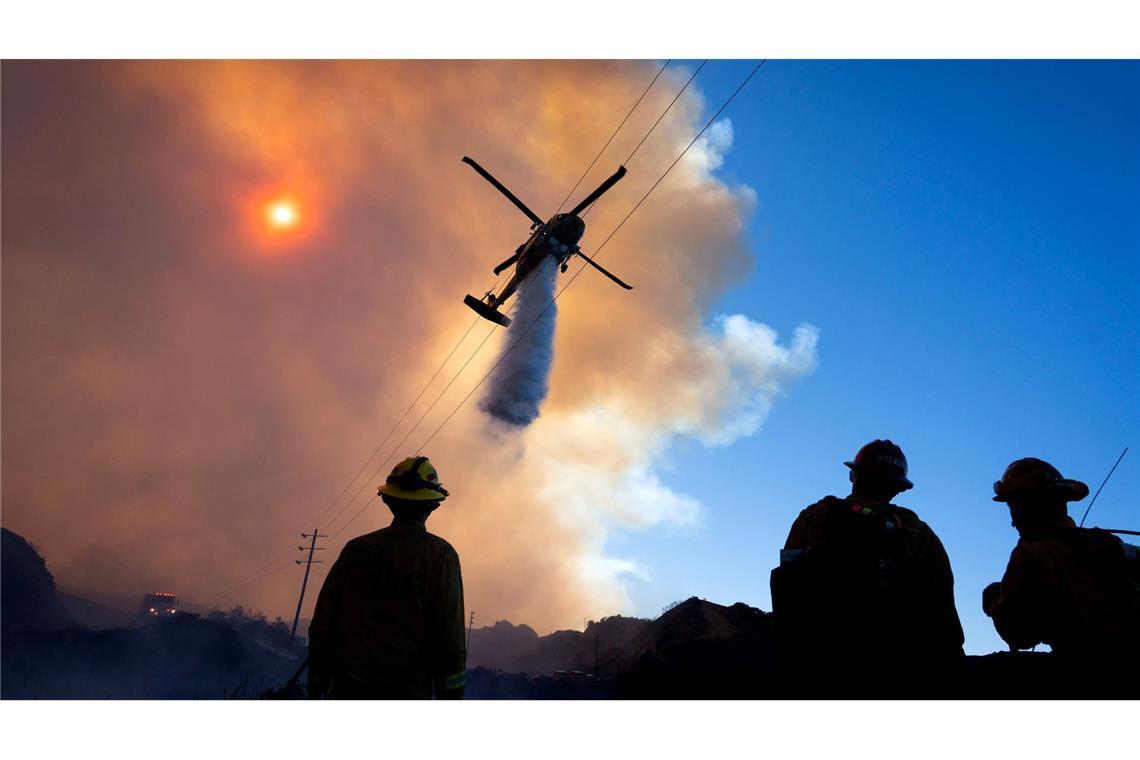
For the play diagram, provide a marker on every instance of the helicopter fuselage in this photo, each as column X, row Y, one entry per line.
column 557, row 238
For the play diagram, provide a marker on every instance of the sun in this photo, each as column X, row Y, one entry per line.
column 282, row 215
column 282, row 219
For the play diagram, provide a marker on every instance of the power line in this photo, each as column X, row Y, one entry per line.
column 526, row 286
column 667, row 110
column 598, row 250
column 603, row 245
column 503, row 356
column 478, row 348
column 402, row 417
column 664, row 113
column 675, row 162
column 400, row 443
column 423, row 390
column 263, row 573
column 619, row 126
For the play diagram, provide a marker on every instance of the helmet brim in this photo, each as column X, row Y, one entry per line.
column 1071, row 490
column 421, row 494
column 900, row 479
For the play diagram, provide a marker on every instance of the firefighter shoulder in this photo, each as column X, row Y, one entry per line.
column 857, row 563
column 389, row 617
column 1075, row 589
column 868, row 567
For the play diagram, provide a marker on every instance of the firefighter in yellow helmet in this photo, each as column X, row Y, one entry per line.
column 389, row 619
column 1072, row 588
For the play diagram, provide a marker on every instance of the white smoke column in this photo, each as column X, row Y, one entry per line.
column 520, row 383
column 595, row 463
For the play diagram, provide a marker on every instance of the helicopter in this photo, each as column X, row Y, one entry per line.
column 557, row 237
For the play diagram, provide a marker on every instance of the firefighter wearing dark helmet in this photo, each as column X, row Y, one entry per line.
column 389, row 619
column 863, row 599
column 1064, row 586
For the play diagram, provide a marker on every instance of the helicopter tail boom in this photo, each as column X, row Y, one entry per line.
column 515, row 257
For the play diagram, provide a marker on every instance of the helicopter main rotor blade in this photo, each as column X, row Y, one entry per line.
column 499, row 186
column 603, row 270
column 598, row 193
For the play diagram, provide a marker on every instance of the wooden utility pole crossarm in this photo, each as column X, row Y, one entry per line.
column 308, row 563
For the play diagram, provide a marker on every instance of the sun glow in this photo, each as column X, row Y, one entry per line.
column 282, row 214
column 282, row 219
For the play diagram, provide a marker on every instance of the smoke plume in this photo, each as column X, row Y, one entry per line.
column 186, row 389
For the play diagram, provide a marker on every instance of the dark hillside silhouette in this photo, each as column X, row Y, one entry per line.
column 518, row 649
column 501, row 646
column 182, row 657
column 703, row 650
column 695, row 650
column 90, row 614
column 48, row 653
column 27, row 588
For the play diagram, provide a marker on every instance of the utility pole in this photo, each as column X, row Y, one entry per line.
column 308, row 563
column 595, row 655
column 470, row 624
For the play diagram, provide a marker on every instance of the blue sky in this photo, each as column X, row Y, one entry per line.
column 965, row 236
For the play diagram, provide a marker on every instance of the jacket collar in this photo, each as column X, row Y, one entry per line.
column 399, row 523
column 1047, row 527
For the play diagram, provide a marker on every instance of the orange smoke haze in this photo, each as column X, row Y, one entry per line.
column 188, row 381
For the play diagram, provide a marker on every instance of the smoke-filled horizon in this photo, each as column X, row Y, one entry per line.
column 185, row 390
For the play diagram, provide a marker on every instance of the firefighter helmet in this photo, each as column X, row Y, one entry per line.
column 882, row 459
column 1032, row 475
column 414, row 479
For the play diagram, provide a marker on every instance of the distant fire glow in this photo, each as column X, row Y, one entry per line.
column 282, row 215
